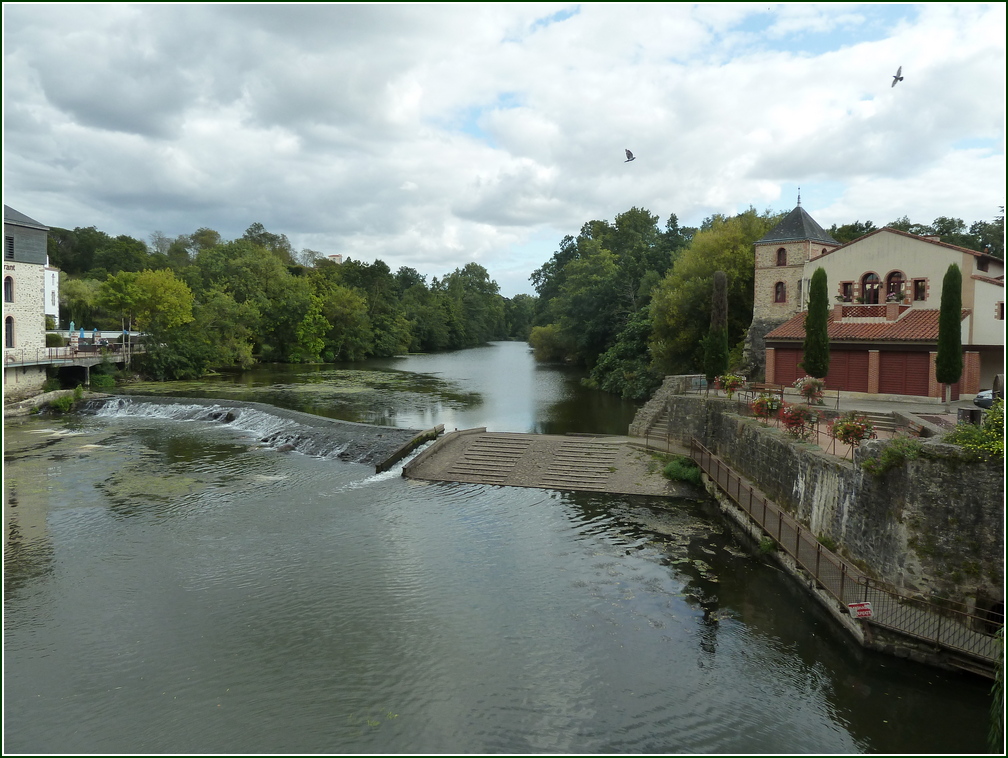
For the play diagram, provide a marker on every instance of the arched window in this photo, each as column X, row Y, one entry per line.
column 870, row 285
column 780, row 293
column 894, row 286
column 8, row 289
column 9, row 331
column 781, row 256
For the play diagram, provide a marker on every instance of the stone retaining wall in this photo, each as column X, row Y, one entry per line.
column 932, row 525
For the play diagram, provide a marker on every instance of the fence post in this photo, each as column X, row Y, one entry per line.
column 818, row 555
column 843, row 579
column 797, row 543
column 780, row 524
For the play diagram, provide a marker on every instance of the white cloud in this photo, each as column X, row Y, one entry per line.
column 434, row 135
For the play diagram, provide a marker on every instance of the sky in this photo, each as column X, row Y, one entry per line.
column 432, row 136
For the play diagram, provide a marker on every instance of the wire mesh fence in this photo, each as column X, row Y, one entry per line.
column 944, row 623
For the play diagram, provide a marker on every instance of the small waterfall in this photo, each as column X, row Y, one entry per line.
column 276, row 428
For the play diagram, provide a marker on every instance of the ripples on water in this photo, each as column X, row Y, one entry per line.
column 176, row 588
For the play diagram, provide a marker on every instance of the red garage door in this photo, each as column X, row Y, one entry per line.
column 786, row 365
column 904, row 373
column 848, row 370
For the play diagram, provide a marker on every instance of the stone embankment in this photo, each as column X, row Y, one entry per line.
column 932, row 525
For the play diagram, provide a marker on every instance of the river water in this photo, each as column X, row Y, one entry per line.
column 175, row 587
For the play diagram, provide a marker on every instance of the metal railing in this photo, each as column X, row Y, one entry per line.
column 67, row 354
column 944, row 623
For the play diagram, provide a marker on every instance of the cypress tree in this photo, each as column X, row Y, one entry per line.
column 716, row 344
column 949, row 361
column 817, row 355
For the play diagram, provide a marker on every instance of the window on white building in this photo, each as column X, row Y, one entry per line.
column 8, row 289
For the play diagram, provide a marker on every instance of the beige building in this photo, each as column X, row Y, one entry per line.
column 28, row 281
column 886, row 288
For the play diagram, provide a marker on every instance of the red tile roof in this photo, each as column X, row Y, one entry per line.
column 916, row 325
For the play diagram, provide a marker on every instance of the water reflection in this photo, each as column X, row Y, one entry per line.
column 499, row 386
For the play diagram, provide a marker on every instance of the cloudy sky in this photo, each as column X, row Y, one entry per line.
column 430, row 136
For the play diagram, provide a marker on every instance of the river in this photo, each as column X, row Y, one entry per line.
column 176, row 587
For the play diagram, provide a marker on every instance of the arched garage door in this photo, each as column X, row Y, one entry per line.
column 904, row 373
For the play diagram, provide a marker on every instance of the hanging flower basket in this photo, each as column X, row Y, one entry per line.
column 851, row 429
column 765, row 406
column 798, row 420
column 729, row 383
column 811, row 389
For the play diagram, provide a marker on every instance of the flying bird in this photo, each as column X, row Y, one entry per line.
column 898, row 77
column 629, row 157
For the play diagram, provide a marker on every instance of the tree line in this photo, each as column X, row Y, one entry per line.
column 631, row 302
column 206, row 303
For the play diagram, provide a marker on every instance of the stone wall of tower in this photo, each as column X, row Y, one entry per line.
column 768, row 273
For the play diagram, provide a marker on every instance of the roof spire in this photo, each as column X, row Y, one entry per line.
column 799, row 196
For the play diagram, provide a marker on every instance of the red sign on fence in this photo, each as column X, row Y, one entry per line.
column 860, row 610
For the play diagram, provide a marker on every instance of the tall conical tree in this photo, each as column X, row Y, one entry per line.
column 949, row 361
column 816, row 347
column 716, row 344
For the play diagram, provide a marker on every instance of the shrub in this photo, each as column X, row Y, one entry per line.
column 102, row 381
column 984, row 442
column 827, row 542
column 765, row 406
column 767, row 545
column 52, row 339
column 810, row 388
column 682, row 469
column 894, row 453
column 62, row 404
column 798, row 420
column 78, row 393
column 51, row 384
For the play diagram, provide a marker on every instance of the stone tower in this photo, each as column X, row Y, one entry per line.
column 779, row 291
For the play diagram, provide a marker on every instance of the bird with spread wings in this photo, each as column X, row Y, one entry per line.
column 898, row 77
column 629, row 157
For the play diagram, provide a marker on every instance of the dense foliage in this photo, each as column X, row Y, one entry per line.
column 204, row 302
column 681, row 302
column 594, row 295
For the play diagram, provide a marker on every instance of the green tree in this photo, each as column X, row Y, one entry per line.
column 949, row 361
column 349, row 335
column 278, row 244
column 163, row 301
column 124, row 253
column 625, row 367
column 816, row 348
column 716, row 343
column 120, row 297
column 680, row 305
column 519, row 315
column 79, row 301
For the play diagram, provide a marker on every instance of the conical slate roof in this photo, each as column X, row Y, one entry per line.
column 797, row 225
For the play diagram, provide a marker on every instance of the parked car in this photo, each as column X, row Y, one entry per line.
column 984, row 398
